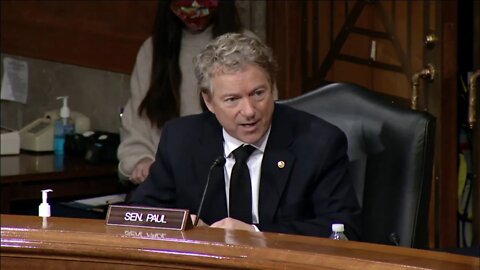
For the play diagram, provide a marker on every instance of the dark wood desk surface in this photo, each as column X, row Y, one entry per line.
column 24, row 176
column 66, row 243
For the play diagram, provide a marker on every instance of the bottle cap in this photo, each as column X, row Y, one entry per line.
column 44, row 207
column 338, row 227
column 64, row 111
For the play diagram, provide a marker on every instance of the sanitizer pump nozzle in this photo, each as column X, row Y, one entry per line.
column 44, row 207
column 64, row 111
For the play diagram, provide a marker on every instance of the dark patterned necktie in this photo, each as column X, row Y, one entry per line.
column 240, row 186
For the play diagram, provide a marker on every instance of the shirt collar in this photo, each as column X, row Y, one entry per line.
column 232, row 143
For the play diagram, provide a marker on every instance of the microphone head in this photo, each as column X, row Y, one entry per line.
column 220, row 161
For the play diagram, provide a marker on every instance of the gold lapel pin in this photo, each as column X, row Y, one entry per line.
column 281, row 164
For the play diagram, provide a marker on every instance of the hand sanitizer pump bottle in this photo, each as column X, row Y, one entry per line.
column 64, row 125
column 44, row 208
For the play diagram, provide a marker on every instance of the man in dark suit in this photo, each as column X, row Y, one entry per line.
column 296, row 167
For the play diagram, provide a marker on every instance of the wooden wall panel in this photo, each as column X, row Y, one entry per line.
column 448, row 128
column 386, row 53
column 339, row 16
column 392, row 84
column 417, row 34
column 285, row 15
column 399, row 29
column 325, row 31
column 98, row 34
column 350, row 72
column 366, row 19
column 401, row 22
column 357, row 45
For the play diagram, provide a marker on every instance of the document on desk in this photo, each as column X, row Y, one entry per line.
column 97, row 203
column 15, row 80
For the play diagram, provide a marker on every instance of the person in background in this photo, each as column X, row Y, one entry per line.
column 284, row 169
column 162, row 83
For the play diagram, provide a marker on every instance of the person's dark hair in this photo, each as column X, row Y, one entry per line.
column 162, row 101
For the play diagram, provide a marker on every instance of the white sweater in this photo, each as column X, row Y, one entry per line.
column 139, row 138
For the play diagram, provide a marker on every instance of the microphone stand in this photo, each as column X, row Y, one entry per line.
column 219, row 161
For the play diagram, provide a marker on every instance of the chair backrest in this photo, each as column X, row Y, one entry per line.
column 391, row 159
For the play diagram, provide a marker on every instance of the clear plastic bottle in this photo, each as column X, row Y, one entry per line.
column 338, row 232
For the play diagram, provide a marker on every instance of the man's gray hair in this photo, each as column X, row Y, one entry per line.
column 230, row 53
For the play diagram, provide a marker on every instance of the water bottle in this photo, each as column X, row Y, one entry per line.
column 337, row 232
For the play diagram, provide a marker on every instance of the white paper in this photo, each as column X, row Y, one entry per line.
column 15, row 80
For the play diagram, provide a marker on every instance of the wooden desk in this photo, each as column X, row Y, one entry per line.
column 67, row 243
column 24, row 176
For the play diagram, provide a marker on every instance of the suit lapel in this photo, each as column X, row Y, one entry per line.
column 209, row 147
column 277, row 164
column 274, row 174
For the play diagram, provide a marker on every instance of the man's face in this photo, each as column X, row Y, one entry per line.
column 242, row 102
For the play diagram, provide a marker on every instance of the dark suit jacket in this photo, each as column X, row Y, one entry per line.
column 304, row 197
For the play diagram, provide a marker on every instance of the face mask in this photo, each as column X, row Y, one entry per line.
column 195, row 14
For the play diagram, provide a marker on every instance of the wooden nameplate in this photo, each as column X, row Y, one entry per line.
column 149, row 217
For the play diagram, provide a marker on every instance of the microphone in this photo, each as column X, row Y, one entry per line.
column 219, row 161
column 393, row 237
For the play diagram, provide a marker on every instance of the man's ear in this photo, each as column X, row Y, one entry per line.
column 207, row 99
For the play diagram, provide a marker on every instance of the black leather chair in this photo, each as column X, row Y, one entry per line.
column 391, row 159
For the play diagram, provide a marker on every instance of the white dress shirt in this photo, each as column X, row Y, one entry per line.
column 254, row 164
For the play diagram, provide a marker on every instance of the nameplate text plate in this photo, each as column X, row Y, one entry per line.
column 149, row 217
